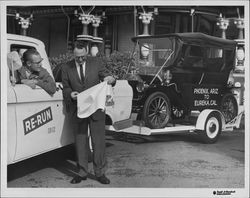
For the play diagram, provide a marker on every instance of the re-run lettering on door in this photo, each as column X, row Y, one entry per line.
column 37, row 120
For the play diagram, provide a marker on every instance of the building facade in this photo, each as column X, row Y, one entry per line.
column 58, row 26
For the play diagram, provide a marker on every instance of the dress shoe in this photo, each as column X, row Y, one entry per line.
column 103, row 179
column 78, row 179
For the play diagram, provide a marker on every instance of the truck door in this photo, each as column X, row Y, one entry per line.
column 41, row 122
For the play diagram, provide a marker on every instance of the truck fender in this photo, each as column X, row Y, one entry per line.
column 200, row 123
column 108, row 118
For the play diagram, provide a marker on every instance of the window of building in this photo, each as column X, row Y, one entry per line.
column 164, row 24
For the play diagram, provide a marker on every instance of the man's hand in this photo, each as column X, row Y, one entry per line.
column 74, row 95
column 31, row 83
column 12, row 80
column 110, row 80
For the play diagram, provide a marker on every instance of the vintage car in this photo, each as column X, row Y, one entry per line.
column 180, row 73
column 36, row 121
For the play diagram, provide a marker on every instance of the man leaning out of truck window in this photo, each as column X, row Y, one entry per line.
column 32, row 73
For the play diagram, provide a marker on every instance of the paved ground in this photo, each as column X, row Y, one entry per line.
column 167, row 161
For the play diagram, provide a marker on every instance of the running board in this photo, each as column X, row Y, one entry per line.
column 141, row 130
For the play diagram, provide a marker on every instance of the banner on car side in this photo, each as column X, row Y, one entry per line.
column 203, row 96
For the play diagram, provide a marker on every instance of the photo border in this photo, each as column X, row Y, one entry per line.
column 115, row 192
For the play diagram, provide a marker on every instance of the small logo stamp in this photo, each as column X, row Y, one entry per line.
column 223, row 192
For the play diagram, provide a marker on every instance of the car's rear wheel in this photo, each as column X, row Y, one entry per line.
column 212, row 128
column 157, row 110
column 229, row 107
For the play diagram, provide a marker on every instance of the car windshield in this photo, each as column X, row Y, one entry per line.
column 155, row 51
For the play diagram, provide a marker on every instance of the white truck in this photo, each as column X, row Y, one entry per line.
column 37, row 122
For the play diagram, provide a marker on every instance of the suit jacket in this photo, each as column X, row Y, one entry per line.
column 94, row 73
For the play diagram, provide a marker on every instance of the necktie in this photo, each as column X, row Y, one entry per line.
column 81, row 73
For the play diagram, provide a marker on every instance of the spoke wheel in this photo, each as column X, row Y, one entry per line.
column 156, row 111
column 229, row 107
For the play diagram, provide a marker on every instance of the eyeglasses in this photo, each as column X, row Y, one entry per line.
column 80, row 58
column 38, row 62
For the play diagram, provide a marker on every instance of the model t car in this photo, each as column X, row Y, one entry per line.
column 180, row 73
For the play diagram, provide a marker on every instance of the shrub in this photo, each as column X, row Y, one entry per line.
column 118, row 63
column 62, row 58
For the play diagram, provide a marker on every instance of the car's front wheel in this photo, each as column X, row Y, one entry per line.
column 156, row 111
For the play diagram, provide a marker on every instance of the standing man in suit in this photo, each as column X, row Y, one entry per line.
column 78, row 75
